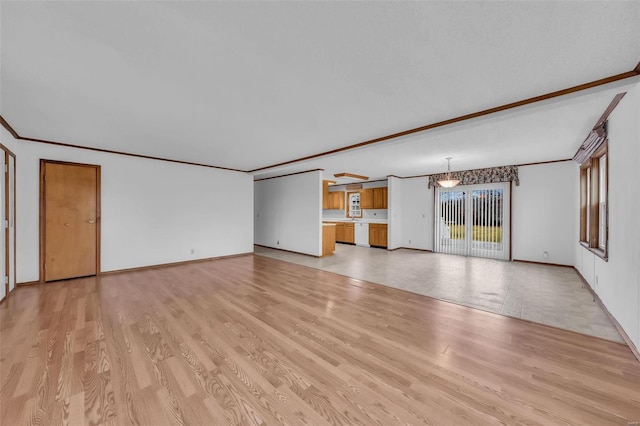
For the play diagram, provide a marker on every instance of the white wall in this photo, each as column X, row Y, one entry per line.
column 7, row 140
column 539, row 184
column 417, row 213
column 395, row 213
column 288, row 213
column 617, row 281
column 543, row 216
column 153, row 212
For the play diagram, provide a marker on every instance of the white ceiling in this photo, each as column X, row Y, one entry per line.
column 250, row 84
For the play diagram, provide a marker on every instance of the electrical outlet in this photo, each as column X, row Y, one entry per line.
column 545, row 254
column 193, row 251
column 409, row 241
column 278, row 242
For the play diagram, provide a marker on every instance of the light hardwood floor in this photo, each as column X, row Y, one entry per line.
column 254, row 340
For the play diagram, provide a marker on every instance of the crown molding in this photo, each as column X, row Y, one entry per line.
column 288, row 174
column 15, row 135
column 611, row 79
column 629, row 74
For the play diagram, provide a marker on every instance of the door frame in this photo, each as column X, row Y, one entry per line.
column 7, row 207
column 43, row 210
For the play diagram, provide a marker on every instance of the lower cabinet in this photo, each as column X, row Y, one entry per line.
column 349, row 233
column 339, row 233
column 345, row 233
column 328, row 240
column 378, row 234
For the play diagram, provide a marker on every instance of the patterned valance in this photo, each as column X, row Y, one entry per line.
column 478, row 176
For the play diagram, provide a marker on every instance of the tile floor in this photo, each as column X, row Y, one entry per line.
column 545, row 294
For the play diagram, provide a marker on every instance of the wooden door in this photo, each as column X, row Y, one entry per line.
column 70, row 229
column 3, row 234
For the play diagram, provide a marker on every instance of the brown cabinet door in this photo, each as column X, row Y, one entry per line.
column 336, row 200
column 373, row 234
column 380, row 198
column 70, row 207
column 385, row 198
column 377, row 198
column 340, row 200
column 325, row 194
column 349, row 233
column 366, row 198
column 340, row 232
column 378, row 234
column 382, row 235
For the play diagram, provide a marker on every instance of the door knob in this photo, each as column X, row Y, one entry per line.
column 92, row 221
column 66, row 224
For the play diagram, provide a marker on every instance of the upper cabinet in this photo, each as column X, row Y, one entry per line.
column 331, row 200
column 374, row 198
column 336, row 200
column 369, row 198
column 380, row 198
column 366, row 198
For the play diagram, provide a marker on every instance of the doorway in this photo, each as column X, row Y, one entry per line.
column 69, row 220
column 473, row 220
column 7, row 221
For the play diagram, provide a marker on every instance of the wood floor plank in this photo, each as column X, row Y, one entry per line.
column 254, row 340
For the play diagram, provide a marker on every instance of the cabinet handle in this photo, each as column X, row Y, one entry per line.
column 92, row 221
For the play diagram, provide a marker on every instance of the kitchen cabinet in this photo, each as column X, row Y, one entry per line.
column 366, row 198
column 336, row 200
column 378, row 234
column 349, row 233
column 345, row 232
column 339, row 233
column 380, row 198
column 325, row 194
column 328, row 239
column 374, row 198
column 333, row 200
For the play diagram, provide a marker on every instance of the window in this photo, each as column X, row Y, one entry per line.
column 593, row 202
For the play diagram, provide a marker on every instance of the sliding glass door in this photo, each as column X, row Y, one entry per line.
column 473, row 220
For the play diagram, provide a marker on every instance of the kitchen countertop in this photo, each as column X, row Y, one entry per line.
column 365, row 220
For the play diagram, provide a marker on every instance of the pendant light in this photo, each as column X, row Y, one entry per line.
column 448, row 182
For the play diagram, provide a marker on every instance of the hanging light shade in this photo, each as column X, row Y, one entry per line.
column 448, row 182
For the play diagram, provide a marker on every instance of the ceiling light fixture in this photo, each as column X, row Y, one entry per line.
column 350, row 176
column 448, row 182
